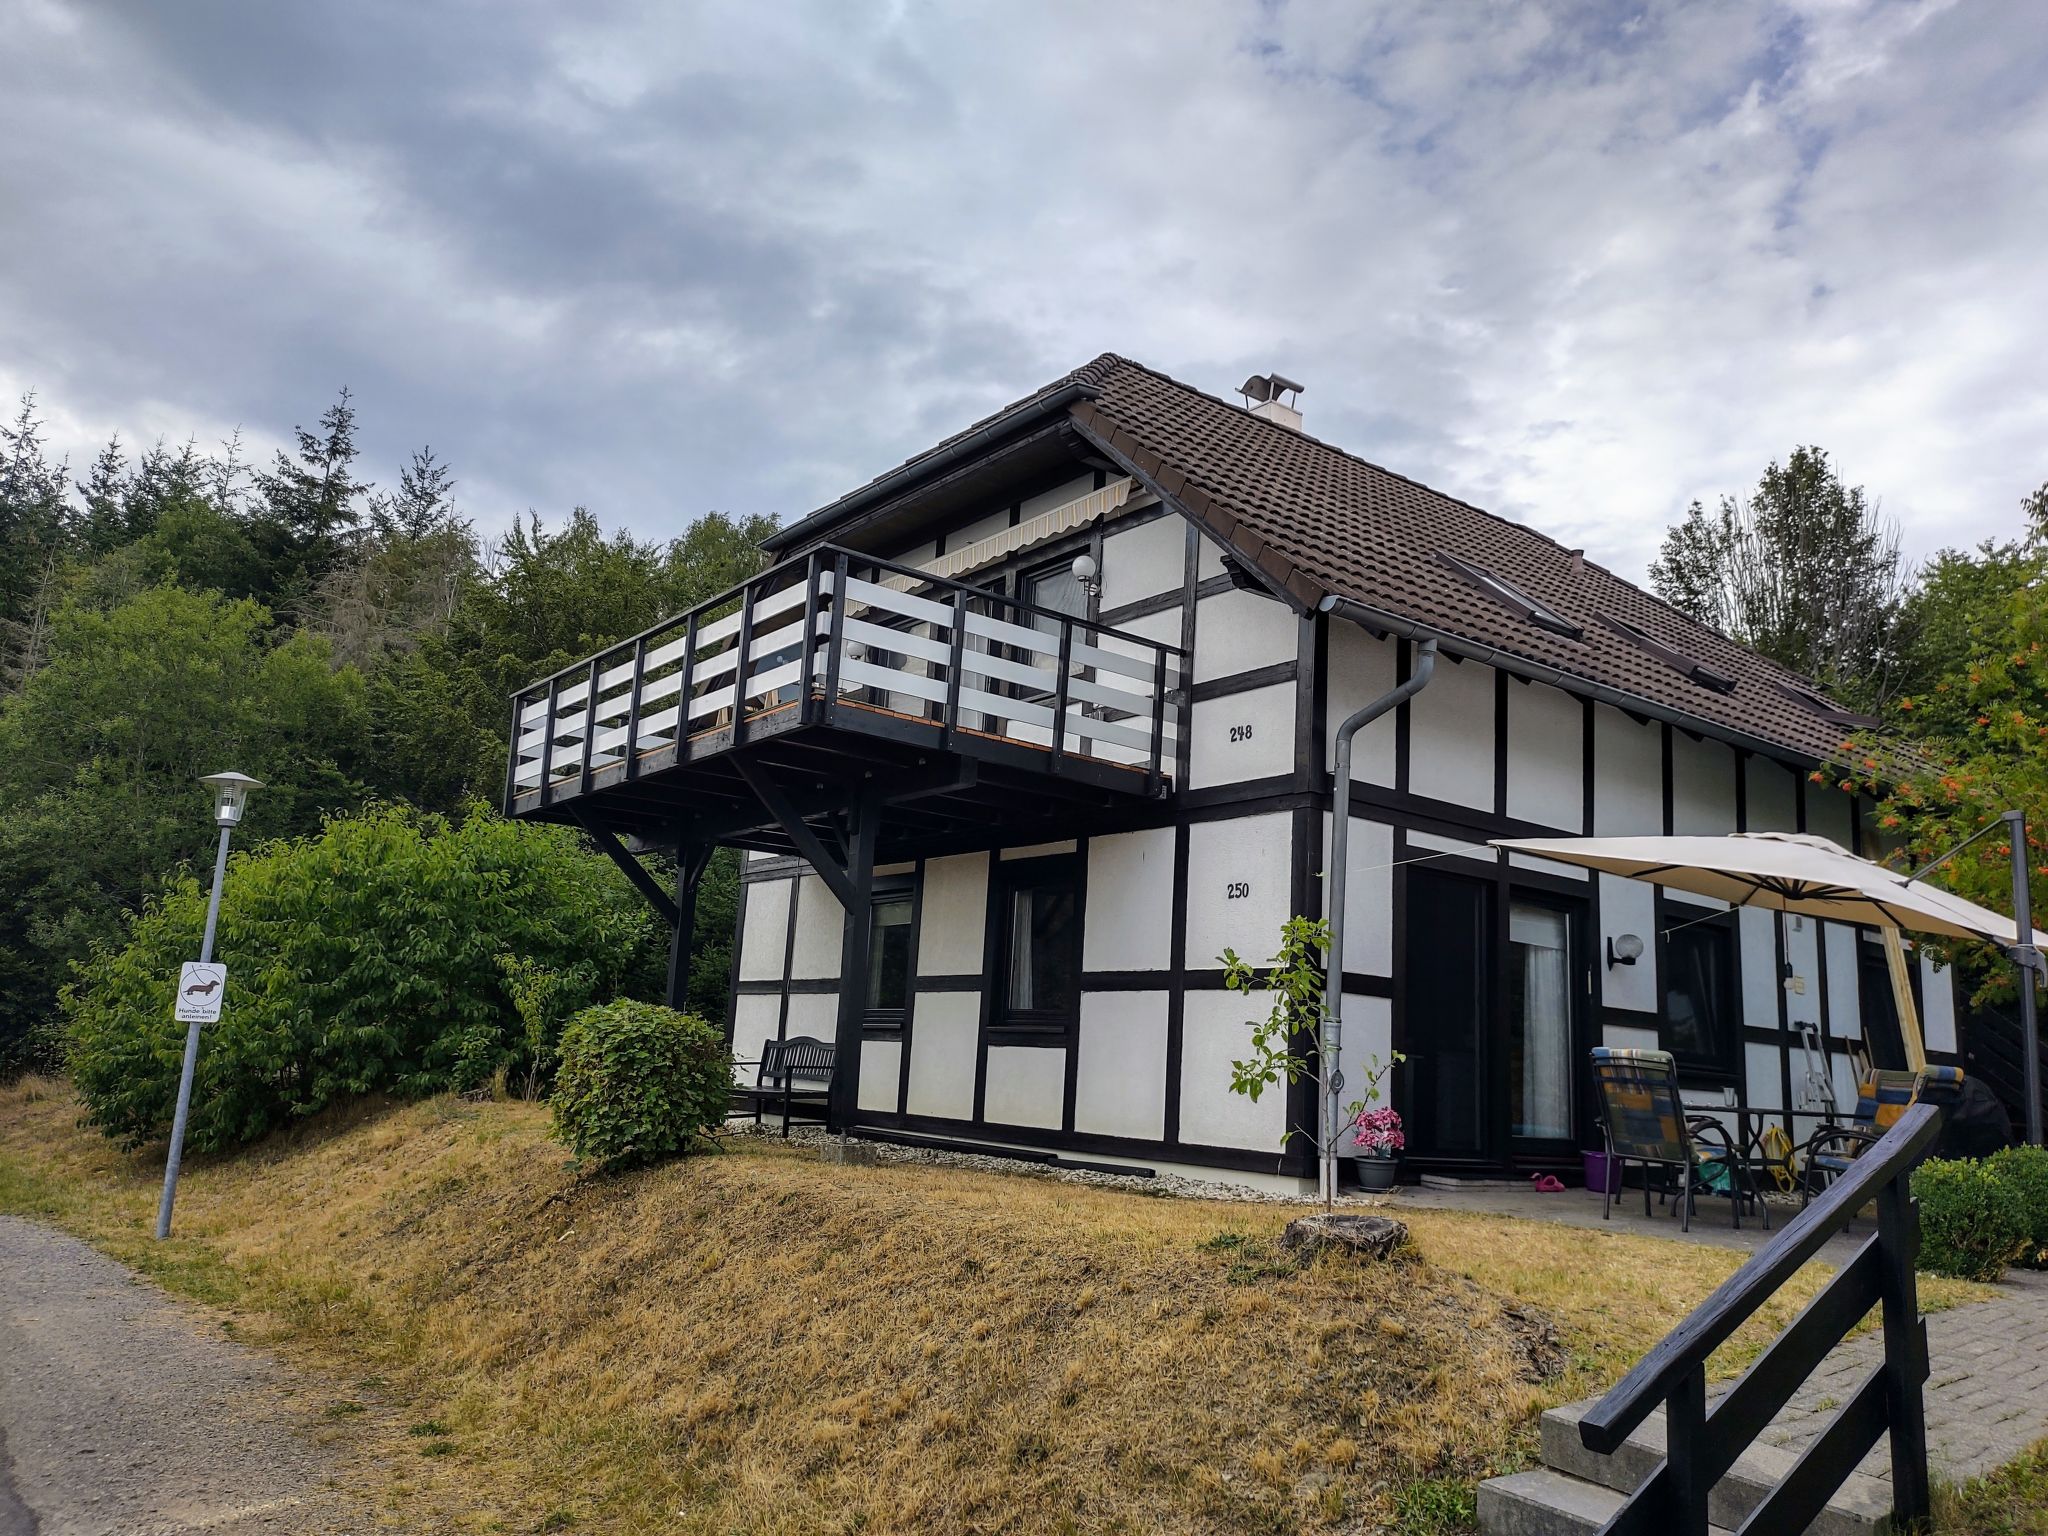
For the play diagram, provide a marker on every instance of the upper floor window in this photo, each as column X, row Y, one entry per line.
column 1513, row 598
column 1826, row 708
column 1670, row 655
column 1040, row 944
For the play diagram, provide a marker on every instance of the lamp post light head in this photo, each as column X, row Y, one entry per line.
column 230, row 796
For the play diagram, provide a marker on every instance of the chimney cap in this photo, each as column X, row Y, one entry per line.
column 1261, row 387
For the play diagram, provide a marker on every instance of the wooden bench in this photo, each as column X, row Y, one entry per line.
column 795, row 1073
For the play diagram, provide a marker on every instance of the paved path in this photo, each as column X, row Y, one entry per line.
column 125, row 1413
column 1986, row 1394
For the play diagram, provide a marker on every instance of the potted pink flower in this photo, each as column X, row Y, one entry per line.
column 1376, row 1135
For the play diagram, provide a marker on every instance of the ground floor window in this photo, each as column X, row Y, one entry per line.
column 1039, row 913
column 889, row 957
column 1702, row 1008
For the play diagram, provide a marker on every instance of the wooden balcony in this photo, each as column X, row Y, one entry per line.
column 839, row 674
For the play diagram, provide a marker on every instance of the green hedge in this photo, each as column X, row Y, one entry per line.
column 393, row 952
column 1973, row 1222
column 2026, row 1170
column 638, row 1083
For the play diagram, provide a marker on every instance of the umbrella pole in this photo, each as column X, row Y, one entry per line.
column 1902, row 991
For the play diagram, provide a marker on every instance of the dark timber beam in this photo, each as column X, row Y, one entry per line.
column 863, row 822
column 631, row 867
column 904, row 788
column 790, row 819
column 691, row 861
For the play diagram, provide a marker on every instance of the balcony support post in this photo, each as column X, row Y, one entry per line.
column 691, row 862
column 863, row 822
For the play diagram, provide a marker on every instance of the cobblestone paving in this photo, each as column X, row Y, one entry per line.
column 1986, row 1396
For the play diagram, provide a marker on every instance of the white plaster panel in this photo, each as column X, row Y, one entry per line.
column 764, row 936
column 1763, row 1086
column 1368, row 1032
column 1756, row 931
column 881, row 1065
column 1215, row 1031
column 1369, row 897
column 955, row 916
column 1937, row 1006
column 1628, row 776
column 820, row 931
column 1240, row 631
column 1242, row 736
column 1702, row 786
column 1845, row 1003
column 916, row 554
column 1361, row 669
column 1624, row 1037
column 1027, row 1085
column 1040, row 850
column 1546, row 756
column 1773, row 796
column 1058, row 496
column 1829, row 813
column 979, row 529
column 812, row 1013
column 1802, row 953
column 1120, row 1080
column 1629, row 906
column 756, row 1016
column 1253, row 853
column 1430, row 842
column 1128, row 922
column 1145, row 561
column 1450, row 736
column 942, row 1054
column 1208, row 558
column 1844, row 1069
column 1530, row 862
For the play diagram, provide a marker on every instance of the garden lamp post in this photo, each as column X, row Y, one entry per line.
column 230, row 798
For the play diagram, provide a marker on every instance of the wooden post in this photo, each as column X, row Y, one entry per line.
column 1902, row 990
column 690, row 862
column 864, row 818
column 1685, row 1425
column 1905, row 1352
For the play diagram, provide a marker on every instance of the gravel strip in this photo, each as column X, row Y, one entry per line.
column 125, row 1413
column 1169, row 1186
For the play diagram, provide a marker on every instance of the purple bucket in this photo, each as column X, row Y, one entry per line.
column 1603, row 1174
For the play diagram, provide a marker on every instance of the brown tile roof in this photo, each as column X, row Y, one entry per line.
column 1318, row 521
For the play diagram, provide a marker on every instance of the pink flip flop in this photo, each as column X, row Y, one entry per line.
column 1547, row 1183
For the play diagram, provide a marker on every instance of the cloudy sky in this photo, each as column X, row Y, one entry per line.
column 1578, row 263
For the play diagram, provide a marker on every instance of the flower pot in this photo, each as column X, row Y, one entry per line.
column 1375, row 1173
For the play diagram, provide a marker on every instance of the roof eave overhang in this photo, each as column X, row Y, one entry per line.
column 1039, row 408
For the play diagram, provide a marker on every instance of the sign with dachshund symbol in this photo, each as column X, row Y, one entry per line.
column 201, row 985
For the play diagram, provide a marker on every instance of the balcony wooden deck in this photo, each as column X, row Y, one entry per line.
column 840, row 676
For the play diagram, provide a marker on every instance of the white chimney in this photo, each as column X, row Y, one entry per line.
column 1263, row 394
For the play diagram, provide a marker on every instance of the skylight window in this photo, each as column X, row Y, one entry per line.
column 1686, row 666
column 1512, row 598
column 1826, row 708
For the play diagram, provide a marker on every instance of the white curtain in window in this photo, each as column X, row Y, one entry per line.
column 1541, row 940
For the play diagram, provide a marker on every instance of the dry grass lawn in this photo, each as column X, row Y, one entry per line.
column 754, row 1342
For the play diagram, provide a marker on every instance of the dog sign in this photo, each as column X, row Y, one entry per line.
column 200, row 987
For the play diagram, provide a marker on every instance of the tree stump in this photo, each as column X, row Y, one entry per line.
column 1357, row 1237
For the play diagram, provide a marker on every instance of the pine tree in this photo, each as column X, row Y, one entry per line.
column 424, row 503
column 105, row 526
column 310, row 500
column 36, row 534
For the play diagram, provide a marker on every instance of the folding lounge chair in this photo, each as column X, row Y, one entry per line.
column 1644, row 1121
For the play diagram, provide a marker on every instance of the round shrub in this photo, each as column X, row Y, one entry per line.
column 637, row 1082
column 392, row 953
column 2026, row 1170
column 1972, row 1222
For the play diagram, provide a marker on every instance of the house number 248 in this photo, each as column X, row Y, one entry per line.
column 1241, row 732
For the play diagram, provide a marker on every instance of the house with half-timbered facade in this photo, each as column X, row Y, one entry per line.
column 1023, row 734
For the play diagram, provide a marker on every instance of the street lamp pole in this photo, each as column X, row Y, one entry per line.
column 230, row 797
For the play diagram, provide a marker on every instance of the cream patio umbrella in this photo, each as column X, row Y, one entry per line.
column 1792, row 872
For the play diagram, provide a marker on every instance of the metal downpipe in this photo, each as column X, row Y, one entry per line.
column 1338, row 877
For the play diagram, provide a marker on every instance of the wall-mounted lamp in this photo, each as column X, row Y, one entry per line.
column 1085, row 571
column 1623, row 949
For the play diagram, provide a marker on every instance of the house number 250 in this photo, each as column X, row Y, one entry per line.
column 1241, row 732
column 1237, row 890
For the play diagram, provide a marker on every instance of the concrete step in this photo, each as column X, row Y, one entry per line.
column 1547, row 1503
column 1862, row 1506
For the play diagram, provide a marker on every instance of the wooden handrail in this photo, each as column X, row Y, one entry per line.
column 1702, row 1446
